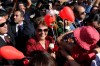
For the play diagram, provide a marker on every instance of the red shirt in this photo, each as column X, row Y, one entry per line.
column 33, row 44
column 82, row 56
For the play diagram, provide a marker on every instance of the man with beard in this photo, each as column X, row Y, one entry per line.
column 80, row 15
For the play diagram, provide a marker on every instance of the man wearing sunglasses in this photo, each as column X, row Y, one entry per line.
column 3, row 42
column 80, row 15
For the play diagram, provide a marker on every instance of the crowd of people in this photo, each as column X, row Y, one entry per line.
column 62, row 43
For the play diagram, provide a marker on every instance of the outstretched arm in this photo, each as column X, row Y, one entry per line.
column 61, row 36
column 69, row 58
column 29, row 3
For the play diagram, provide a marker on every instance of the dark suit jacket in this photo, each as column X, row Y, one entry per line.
column 4, row 61
column 77, row 23
column 27, row 32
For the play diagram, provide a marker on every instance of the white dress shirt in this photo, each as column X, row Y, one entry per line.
column 2, row 36
column 21, row 24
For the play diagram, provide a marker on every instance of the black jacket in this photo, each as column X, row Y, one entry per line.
column 27, row 32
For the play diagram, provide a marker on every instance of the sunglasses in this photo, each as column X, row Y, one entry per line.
column 82, row 13
column 40, row 30
column 2, row 24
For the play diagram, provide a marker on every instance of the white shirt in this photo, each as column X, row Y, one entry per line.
column 21, row 24
column 96, row 61
column 2, row 36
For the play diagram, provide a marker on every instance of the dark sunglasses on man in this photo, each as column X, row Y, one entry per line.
column 82, row 13
column 2, row 24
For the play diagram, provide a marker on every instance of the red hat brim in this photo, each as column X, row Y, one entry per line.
column 92, row 33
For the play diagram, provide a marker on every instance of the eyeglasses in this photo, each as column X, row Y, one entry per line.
column 40, row 30
column 2, row 24
column 82, row 13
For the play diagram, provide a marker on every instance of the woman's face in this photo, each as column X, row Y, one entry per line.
column 94, row 9
column 42, row 32
column 94, row 24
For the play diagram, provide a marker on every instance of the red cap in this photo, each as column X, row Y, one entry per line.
column 86, row 37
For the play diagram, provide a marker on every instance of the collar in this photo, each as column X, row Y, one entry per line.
column 77, row 20
column 21, row 23
column 2, row 36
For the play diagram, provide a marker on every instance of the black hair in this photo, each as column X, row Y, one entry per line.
column 22, row 3
column 2, row 13
column 8, row 10
column 40, row 58
column 93, row 17
column 75, row 10
column 73, row 4
column 65, row 4
column 22, row 13
column 92, row 8
column 38, row 21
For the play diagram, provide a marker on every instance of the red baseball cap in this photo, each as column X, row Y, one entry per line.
column 86, row 37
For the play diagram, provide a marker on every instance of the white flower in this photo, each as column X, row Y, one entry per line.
column 67, row 28
column 56, row 12
column 51, row 45
column 51, row 12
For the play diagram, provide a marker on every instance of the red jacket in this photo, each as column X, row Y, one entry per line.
column 33, row 44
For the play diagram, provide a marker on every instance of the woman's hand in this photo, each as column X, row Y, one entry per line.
column 69, row 58
column 66, row 55
column 53, row 55
column 97, row 50
column 96, row 2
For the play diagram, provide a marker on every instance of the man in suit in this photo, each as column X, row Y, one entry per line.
column 80, row 15
column 5, row 41
column 22, row 30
